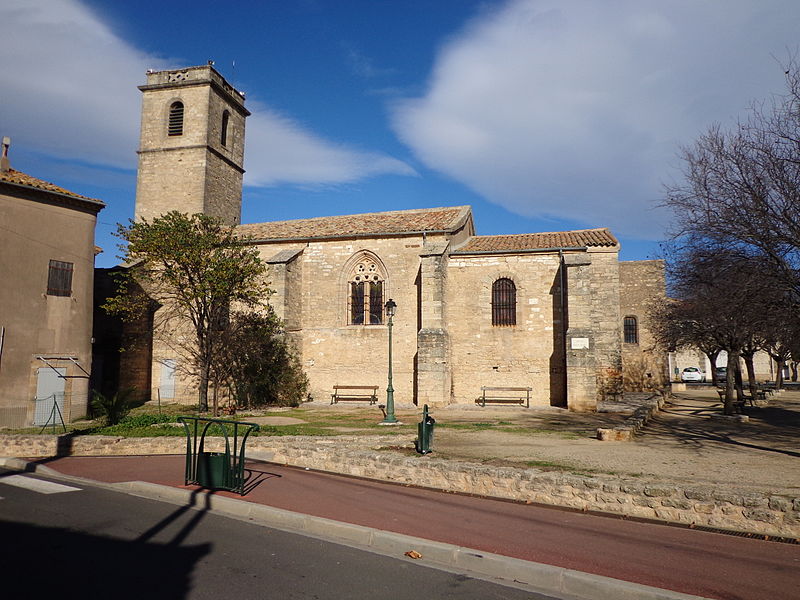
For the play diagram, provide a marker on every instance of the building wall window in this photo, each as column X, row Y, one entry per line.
column 175, row 125
column 630, row 329
column 366, row 291
column 223, row 136
column 504, row 303
column 59, row 278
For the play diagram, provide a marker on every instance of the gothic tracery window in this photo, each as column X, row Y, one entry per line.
column 365, row 298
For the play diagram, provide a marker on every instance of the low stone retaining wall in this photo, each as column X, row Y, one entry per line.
column 635, row 422
column 710, row 506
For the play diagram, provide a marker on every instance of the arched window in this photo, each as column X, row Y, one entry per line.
column 365, row 297
column 630, row 330
column 223, row 136
column 504, row 302
column 175, row 125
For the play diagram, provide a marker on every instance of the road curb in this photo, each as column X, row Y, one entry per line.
column 543, row 578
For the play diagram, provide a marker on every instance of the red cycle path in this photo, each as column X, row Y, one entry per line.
column 689, row 561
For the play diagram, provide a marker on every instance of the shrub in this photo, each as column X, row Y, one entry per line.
column 114, row 408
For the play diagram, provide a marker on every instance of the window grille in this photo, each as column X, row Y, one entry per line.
column 630, row 330
column 375, row 302
column 357, row 303
column 504, row 302
column 175, row 126
column 59, row 278
column 223, row 136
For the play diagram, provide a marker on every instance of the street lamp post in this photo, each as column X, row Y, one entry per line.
column 390, row 418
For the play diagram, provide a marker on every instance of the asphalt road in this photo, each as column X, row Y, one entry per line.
column 694, row 562
column 80, row 541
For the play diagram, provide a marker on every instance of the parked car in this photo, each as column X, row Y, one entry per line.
column 693, row 374
column 722, row 373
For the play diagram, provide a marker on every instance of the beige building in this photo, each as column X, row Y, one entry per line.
column 46, row 263
column 539, row 311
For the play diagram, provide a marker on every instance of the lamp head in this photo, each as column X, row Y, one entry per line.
column 390, row 307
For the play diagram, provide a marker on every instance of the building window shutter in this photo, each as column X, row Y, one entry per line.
column 59, row 278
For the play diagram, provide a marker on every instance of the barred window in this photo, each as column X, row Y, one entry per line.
column 59, row 278
column 504, row 302
column 175, row 125
column 630, row 329
column 366, row 294
column 223, row 136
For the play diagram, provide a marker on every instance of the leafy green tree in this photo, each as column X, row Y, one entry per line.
column 195, row 268
column 257, row 365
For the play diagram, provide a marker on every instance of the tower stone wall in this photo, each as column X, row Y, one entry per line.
column 199, row 170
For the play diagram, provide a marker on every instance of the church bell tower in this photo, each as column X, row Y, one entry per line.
column 191, row 148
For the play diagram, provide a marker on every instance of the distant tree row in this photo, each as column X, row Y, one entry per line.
column 734, row 255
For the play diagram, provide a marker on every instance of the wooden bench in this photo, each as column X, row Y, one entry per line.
column 505, row 395
column 355, row 393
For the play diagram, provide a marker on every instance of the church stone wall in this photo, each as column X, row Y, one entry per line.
column 515, row 356
column 641, row 283
column 333, row 352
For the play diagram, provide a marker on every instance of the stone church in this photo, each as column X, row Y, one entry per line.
column 555, row 312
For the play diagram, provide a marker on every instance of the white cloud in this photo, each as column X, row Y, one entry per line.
column 574, row 109
column 68, row 83
column 69, row 91
column 279, row 150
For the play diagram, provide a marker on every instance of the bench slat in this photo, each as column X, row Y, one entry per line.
column 353, row 395
column 522, row 400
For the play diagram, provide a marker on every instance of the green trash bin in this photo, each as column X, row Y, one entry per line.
column 214, row 470
column 223, row 470
column 424, row 441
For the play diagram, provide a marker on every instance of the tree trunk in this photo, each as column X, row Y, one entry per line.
column 779, row 376
column 739, row 384
column 793, row 367
column 203, row 388
column 751, row 375
column 733, row 364
column 712, row 359
column 215, row 401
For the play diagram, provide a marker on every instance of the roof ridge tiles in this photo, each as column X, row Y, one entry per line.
column 447, row 218
column 15, row 177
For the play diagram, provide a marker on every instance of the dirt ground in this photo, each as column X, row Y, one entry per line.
column 681, row 443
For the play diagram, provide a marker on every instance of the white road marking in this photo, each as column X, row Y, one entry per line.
column 37, row 485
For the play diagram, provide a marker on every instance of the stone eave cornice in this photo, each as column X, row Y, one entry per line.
column 235, row 102
column 554, row 250
column 349, row 236
column 211, row 149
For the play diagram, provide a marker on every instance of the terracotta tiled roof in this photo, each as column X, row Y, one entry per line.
column 395, row 222
column 582, row 238
column 20, row 178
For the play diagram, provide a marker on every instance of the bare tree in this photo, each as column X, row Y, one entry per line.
column 740, row 191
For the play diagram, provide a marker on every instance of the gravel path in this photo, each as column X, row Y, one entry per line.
column 681, row 443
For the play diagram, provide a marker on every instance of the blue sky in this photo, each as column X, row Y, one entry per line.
column 542, row 114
